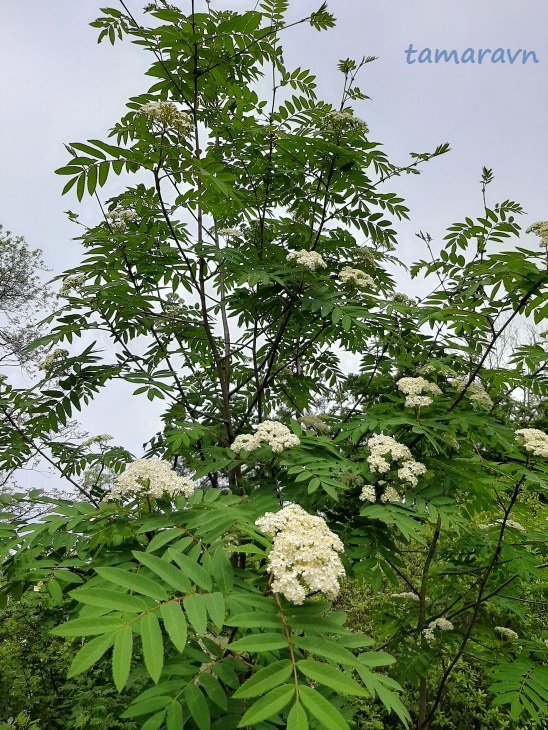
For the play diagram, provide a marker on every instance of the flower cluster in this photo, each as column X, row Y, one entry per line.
column 507, row 633
column 413, row 388
column 356, row 277
column 309, row 259
column 315, row 423
column 101, row 439
column 509, row 523
column 368, row 494
column 534, row 441
column 304, row 556
column 401, row 298
column 541, row 230
column 440, row 623
column 152, row 478
column 381, row 447
column 390, row 495
column 120, row 217
column 49, row 362
column 71, row 283
column 407, row 595
column 475, row 391
column 343, row 120
column 230, row 232
column 166, row 114
column 366, row 256
column 273, row 433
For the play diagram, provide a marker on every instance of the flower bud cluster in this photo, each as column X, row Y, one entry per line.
column 440, row 623
column 343, row 120
column 230, row 232
column 407, row 595
column 120, row 217
column 69, row 284
column 315, row 423
column 390, row 495
column 401, row 298
column 506, row 633
column 309, row 259
column 49, row 362
column 413, row 388
column 304, row 556
column 151, row 478
column 540, row 229
column 475, row 391
column 509, row 523
column 381, row 447
column 166, row 114
column 273, row 433
column 533, row 440
column 357, row 277
column 101, row 439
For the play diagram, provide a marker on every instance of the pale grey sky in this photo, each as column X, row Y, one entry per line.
column 59, row 86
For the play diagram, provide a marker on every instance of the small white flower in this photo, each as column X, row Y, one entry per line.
column 368, row 494
column 165, row 114
column 541, row 230
column 475, row 391
column 338, row 120
column 440, row 623
column 407, row 595
column 230, row 232
column 385, row 449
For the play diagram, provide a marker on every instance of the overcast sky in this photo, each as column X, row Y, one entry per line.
column 60, row 86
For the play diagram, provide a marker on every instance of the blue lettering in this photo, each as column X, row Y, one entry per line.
column 446, row 56
column 468, row 56
column 481, row 54
column 409, row 51
column 425, row 56
column 526, row 55
column 498, row 56
column 512, row 58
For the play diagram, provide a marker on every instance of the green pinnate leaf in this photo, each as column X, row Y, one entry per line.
column 121, row 657
column 195, row 609
column 135, row 582
column 297, row 719
column 197, row 706
column 320, row 708
column 175, row 623
column 153, row 645
column 265, row 679
column 258, row 643
column 331, row 677
column 169, row 573
column 90, row 653
column 268, row 706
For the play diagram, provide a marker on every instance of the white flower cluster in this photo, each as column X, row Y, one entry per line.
column 152, row 478
column 309, row 259
column 507, row 633
column 401, row 298
column 386, row 446
column 273, row 433
column 229, row 232
column 315, row 423
column 101, row 439
column 357, row 277
column 390, row 495
column 52, row 359
column 413, row 388
column 407, row 595
column 509, row 523
column 533, row 440
column 69, row 284
column 368, row 494
column 120, row 217
column 366, row 256
column 475, row 391
column 541, row 230
column 304, row 556
column 166, row 114
column 343, row 120
column 440, row 623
